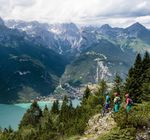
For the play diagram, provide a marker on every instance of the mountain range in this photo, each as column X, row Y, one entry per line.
column 27, row 70
column 69, row 37
column 64, row 53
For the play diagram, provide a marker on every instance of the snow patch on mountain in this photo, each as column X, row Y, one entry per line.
column 59, row 37
column 54, row 30
column 23, row 73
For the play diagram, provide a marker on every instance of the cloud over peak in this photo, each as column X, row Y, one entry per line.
column 114, row 12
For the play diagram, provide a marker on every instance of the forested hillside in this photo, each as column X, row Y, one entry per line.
column 66, row 122
column 27, row 70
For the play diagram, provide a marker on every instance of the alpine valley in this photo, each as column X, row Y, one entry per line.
column 36, row 57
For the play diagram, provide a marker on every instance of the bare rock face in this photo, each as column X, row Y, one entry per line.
column 98, row 126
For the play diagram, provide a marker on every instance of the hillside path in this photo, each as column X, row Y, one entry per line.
column 98, row 126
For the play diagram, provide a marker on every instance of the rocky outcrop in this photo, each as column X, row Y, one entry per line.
column 98, row 126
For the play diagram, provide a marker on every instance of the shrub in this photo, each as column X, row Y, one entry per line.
column 119, row 134
column 137, row 117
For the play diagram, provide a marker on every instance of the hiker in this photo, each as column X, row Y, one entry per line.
column 107, row 102
column 117, row 102
column 129, row 103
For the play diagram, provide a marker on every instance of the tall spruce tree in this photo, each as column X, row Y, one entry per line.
column 86, row 95
column 55, row 107
column 134, row 81
column 64, row 115
column 64, row 109
column 45, row 121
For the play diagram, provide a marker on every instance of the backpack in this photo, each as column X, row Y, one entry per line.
column 117, row 100
column 130, row 101
column 107, row 99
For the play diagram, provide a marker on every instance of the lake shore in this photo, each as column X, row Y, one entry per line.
column 11, row 114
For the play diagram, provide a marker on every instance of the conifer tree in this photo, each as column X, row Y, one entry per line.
column 86, row 93
column 146, row 86
column 134, row 80
column 146, row 61
column 64, row 108
column 45, row 111
column 10, row 130
column 71, row 108
column 32, row 116
column 146, row 91
column 46, row 122
column 64, row 115
column 117, row 87
column 145, row 66
column 70, row 105
column 55, row 107
column 102, row 87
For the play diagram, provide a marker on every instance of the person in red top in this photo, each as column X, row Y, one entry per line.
column 128, row 104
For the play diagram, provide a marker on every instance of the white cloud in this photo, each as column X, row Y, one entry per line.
column 114, row 12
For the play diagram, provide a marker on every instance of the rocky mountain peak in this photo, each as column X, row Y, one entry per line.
column 106, row 27
column 136, row 27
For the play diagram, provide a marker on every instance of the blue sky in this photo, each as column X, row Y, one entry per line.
column 114, row 12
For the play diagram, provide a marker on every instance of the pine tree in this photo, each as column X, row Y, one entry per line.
column 71, row 105
column 45, row 111
column 117, row 87
column 71, row 108
column 55, row 107
column 64, row 115
column 133, row 82
column 137, row 76
column 32, row 116
column 87, row 93
column 146, row 86
column 10, row 130
column 46, row 122
column 145, row 66
column 146, row 61
column 102, row 87
column 146, row 91
column 64, row 108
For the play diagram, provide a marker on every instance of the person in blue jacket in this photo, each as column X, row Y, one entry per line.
column 107, row 102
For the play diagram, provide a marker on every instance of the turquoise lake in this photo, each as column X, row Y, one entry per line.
column 11, row 115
